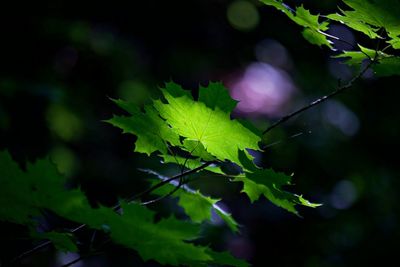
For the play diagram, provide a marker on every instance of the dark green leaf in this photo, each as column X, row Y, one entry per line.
column 62, row 241
column 197, row 206
column 42, row 188
column 226, row 259
column 387, row 67
column 270, row 184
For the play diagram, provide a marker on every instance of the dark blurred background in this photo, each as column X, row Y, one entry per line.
column 60, row 63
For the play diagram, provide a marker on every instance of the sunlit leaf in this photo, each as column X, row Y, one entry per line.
column 358, row 25
column 221, row 136
column 196, row 148
column 314, row 29
column 369, row 16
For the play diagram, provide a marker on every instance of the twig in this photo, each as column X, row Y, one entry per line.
column 345, row 42
column 285, row 139
column 176, row 188
column 386, row 47
column 322, row 99
column 32, row 250
column 166, row 181
column 92, row 238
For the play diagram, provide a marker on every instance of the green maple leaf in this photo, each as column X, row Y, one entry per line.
column 369, row 16
column 350, row 21
column 221, row 136
column 205, row 125
column 313, row 29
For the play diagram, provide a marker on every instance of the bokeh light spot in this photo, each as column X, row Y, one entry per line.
column 241, row 247
column 272, row 52
column 344, row 194
column 102, row 40
column 341, row 117
column 64, row 159
column 243, row 15
column 133, row 91
column 346, row 39
column 64, row 123
column 262, row 90
column 79, row 32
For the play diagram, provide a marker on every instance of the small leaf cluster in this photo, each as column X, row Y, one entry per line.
column 376, row 19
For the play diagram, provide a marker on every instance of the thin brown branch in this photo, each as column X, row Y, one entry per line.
column 345, row 42
column 176, row 188
column 337, row 91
